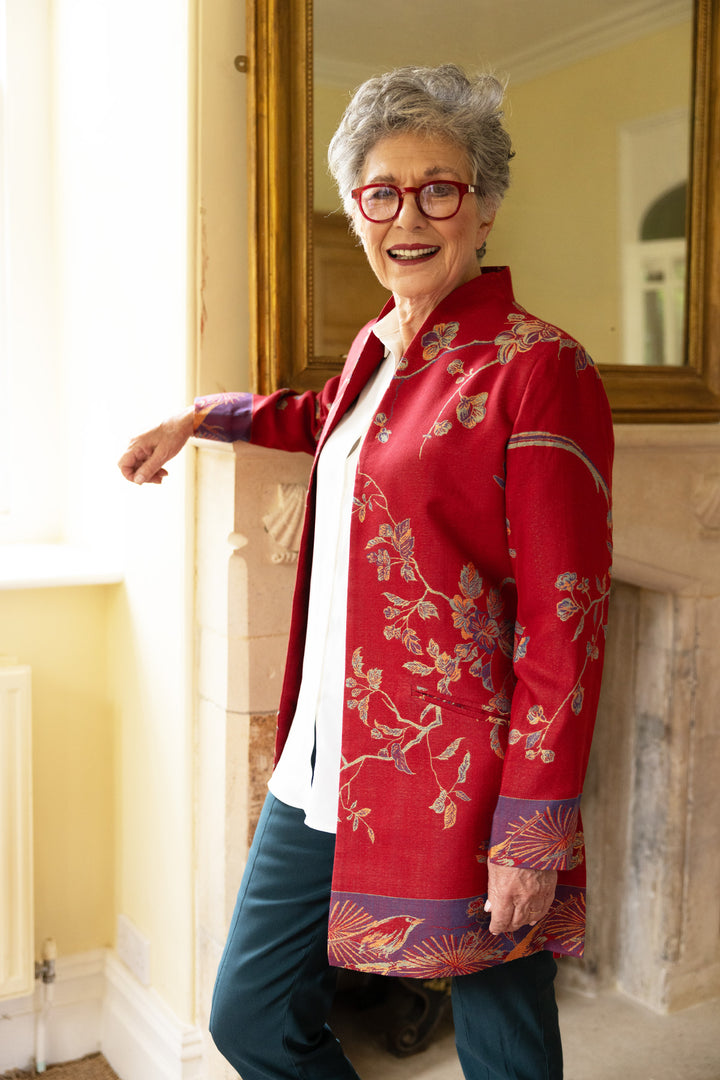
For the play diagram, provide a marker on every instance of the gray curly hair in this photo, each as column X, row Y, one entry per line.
column 434, row 101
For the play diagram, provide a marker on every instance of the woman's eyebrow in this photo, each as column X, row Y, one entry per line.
column 434, row 170
column 437, row 169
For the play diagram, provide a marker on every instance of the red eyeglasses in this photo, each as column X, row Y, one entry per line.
column 438, row 199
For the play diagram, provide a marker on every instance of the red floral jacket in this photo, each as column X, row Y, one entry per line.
column 477, row 609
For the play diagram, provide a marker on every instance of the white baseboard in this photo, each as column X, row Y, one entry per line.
column 141, row 1038
column 73, row 1021
column 97, row 1004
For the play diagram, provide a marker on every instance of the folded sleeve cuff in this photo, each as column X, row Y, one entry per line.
column 224, row 417
column 538, row 835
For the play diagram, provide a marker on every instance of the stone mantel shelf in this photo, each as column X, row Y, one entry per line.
column 668, row 437
column 666, row 495
column 666, row 486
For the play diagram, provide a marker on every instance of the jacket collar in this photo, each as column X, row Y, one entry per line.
column 485, row 301
column 482, row 302
column 365, row 354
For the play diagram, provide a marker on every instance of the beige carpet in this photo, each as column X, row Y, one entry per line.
column 92, row 1067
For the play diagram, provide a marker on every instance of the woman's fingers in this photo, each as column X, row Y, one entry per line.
column 518, row 896
column 142, row 462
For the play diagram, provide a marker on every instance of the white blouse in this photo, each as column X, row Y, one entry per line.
column 318, row 717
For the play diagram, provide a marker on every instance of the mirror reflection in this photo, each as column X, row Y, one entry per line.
column 598, row 107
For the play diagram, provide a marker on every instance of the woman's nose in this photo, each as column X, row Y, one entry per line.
column 410, row 215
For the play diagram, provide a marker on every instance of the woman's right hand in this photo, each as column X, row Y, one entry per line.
column 142, row 462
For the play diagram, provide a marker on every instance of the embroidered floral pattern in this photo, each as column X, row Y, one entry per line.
column 471, row 410
column 565, row 924
column 580, row 607
column 484, row 627
column 524, row 333
column 449, row 955
column 394, row 939
column 384, row 433
column 388, row 945
column 439, row 339
column 486, row 631
column 546, row 840
column 396, row 744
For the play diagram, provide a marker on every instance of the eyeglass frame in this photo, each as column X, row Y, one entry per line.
column 462, row 189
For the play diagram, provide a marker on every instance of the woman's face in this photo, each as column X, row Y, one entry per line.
column 418, row 259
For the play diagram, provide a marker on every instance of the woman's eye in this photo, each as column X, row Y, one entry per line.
column 440, row 191
column 381, row 193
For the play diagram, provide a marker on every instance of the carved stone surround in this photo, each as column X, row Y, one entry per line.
column 651, row 800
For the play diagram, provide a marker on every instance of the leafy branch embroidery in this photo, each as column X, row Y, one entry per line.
column 445, row 804
column 523, row 334
column 398, row 741
column 582, row 605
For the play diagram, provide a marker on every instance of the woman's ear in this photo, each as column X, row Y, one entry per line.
column 484, row 226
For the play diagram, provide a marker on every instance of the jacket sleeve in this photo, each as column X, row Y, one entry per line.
column 558, row 473
column 283, row 420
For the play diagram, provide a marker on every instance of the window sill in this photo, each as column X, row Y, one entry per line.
column 48, row 566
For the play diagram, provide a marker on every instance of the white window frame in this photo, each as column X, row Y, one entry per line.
column 654, row 158
column 31, row 413
column 100, row 290
column 655, row 267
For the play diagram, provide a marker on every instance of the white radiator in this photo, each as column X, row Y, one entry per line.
column 17, row 960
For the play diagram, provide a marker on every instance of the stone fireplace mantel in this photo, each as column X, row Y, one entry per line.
column 651, row 801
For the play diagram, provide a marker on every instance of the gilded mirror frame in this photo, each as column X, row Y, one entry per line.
column 280, row 96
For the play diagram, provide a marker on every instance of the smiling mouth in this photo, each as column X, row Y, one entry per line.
column 412, row 254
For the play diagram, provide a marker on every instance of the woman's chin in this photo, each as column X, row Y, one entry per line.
column 415, row 280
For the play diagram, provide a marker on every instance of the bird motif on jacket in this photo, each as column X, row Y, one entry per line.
column 385, row 936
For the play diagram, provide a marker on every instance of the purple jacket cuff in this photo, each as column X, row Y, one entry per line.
column 224, row 417
column 540, row 835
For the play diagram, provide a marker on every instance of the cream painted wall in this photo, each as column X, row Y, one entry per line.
column 558, row 227
column 224, row 176
column 63, row 634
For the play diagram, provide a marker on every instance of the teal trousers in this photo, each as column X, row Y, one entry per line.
column 274, row 987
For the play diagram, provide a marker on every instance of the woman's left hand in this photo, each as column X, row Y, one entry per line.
column 518, row 896
column 143, row 460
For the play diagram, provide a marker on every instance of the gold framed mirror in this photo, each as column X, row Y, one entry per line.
column 280, row 45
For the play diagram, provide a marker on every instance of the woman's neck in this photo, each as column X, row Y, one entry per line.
column 411, row 316
column 413, row 312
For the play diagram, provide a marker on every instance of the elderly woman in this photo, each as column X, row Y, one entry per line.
column 447, row 631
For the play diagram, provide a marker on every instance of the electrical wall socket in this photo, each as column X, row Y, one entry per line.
column 133, row 949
